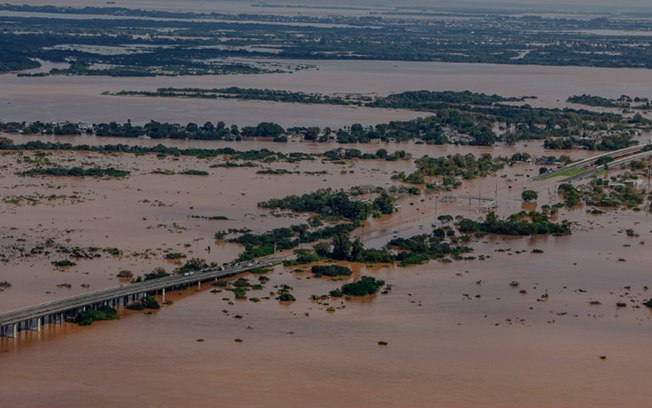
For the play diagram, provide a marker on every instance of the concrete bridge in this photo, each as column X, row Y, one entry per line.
column 612, row 165
column 632, row 150
column 614, row 154
column 55, row 312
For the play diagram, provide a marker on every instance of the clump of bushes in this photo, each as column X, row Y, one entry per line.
column 174, row 255
column 331, row 270
column 157, row 273
column 63, row 263
column 284, row 294
column 365, row 286
column 125, row 274
column 191, row 172
column 520, row 224
column 148, row 302
column 194, row 264
column 286, row 297
column 87, row 317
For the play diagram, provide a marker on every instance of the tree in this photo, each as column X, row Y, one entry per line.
column 322, row 248
column 341, row 247
column 529, row 195
column 384, row 203
column 445, row 218
column 267, row 129
column 356, row 249
column 382, row 153
column 312, row 133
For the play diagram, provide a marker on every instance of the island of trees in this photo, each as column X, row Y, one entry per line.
column 453, row 117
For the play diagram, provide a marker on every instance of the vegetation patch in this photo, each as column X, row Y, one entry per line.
column 76, row 172
column 148, row 302
column 63, row 263
column 365, row 286
column 87, row 317
column 522, row 223
column 331, row 270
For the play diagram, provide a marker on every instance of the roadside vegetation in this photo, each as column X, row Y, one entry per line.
column 87, row 317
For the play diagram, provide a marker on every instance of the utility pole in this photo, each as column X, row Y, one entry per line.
column 436, row 201
column 496, row 194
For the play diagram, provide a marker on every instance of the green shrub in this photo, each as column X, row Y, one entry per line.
column 87, row 317
column 331, row 270
column 286, row 297
column 365, row 286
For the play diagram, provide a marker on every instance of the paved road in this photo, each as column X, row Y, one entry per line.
column 90, row 298
column 589, row 161
column 612, row 165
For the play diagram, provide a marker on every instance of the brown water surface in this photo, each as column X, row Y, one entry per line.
column 458, row 335
column 78, row 98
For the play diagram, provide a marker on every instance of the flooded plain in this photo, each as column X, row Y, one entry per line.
column 60, row 98
column 457, row 334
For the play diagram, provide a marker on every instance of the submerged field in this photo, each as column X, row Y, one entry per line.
column 457, row 308
column 453, row 334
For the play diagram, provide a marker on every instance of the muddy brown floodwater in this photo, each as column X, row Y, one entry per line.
column 458, row 335
column 60, row 98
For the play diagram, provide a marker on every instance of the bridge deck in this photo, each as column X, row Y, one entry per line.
column 131, row 289
column 590, row 160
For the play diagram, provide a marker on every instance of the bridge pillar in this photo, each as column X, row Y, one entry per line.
column 37, row 326
column 198, row 285
column 163, row 295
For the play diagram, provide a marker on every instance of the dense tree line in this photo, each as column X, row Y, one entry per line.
column 467, row 124
column 605, row 143
column 327, row 202
column 160, row 149
column 76, row 172
column 522, row 223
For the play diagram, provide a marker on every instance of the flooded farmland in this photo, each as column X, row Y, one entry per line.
column 457, row 334
column 509, row 317
column 60, row 98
